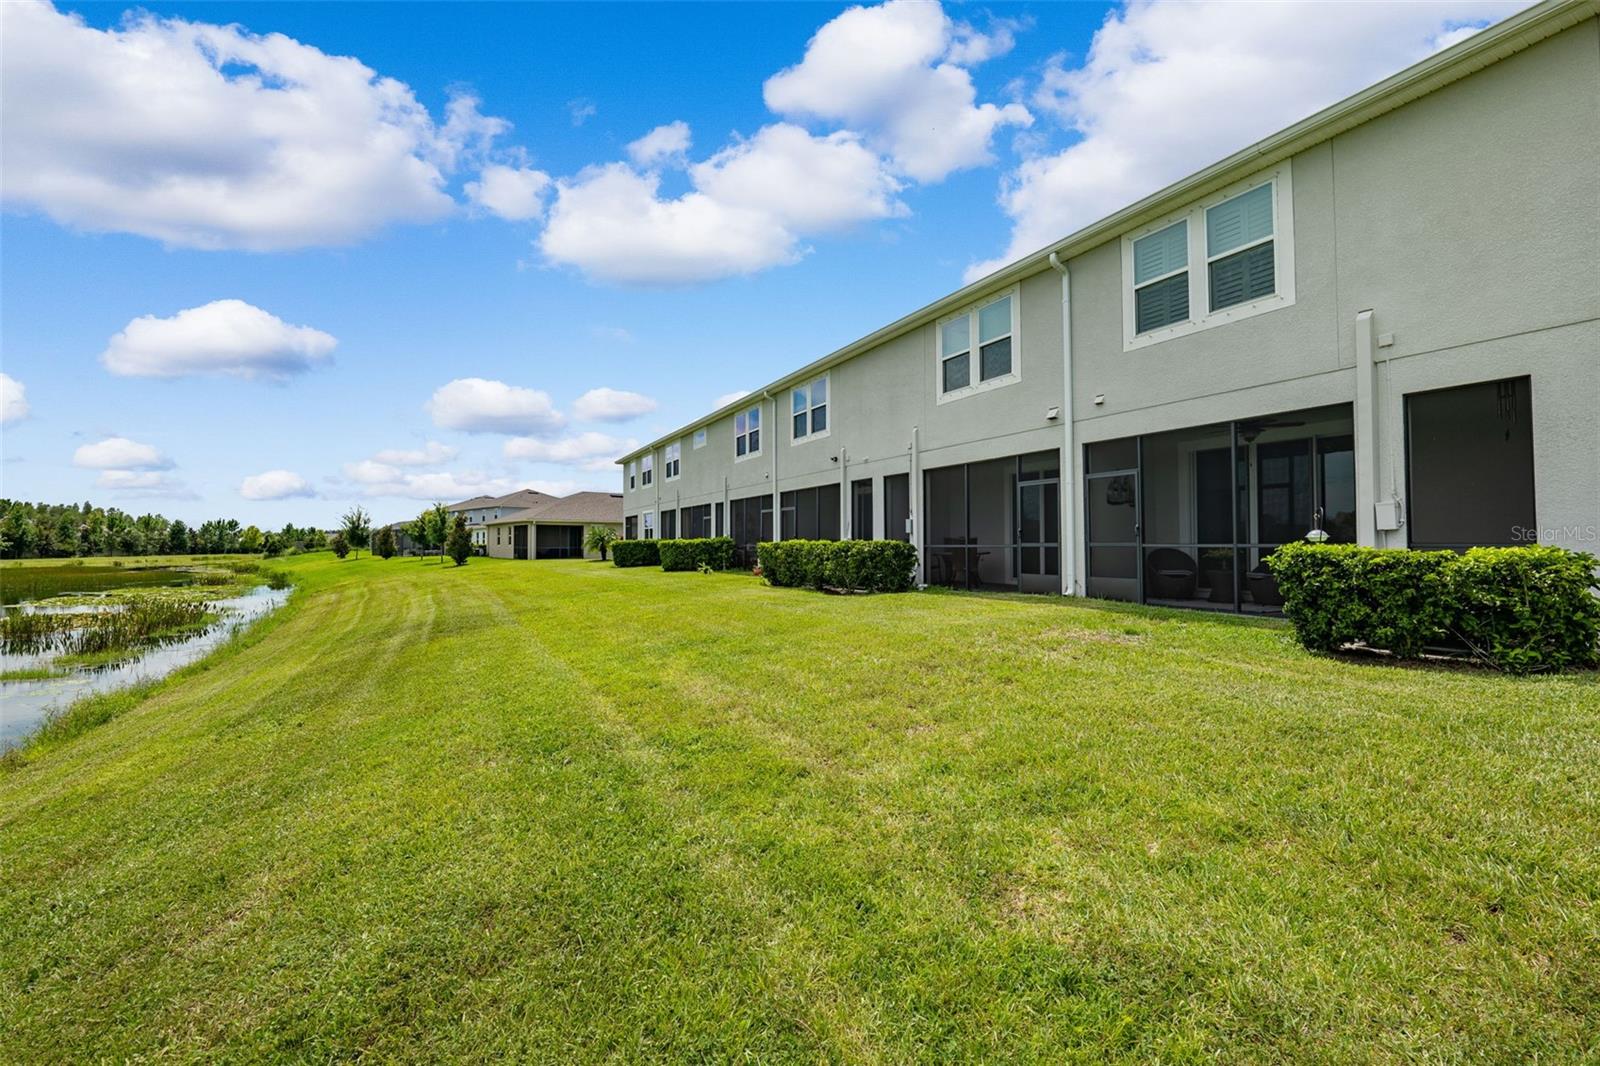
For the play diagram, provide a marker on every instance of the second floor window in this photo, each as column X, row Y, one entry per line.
column 747, row 432
column 1239, row 255
column 1222, row 259
column 810, row 404
column 1161, row 277
column 976, row 347
column 633, row 473
column 647, row 469
column 673, row 461
column 699, row 438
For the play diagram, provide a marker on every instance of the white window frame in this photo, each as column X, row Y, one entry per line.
column 672, row 461
column 633, row 474
column 1200, row 314
column 647, row 526
column 811, row 406
column 974, row 358
column 737, row 436
column 700, row 438
column 647, row 468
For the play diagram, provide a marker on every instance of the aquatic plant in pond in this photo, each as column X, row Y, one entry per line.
column 122, row 629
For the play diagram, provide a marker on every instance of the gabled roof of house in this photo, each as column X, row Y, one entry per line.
column 476, row 501
column 1482, row 49
column 520, row 498
column 579, row 507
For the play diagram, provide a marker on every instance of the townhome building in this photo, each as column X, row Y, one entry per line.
column 1378, row 326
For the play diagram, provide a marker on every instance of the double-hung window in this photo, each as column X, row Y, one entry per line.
column 649, row 525
column 810, row 405
column 1239, row 253
column 977, row 348
column 674, row 460
column 647, row 472
column 1222, row 259
column 1161, row 277
column 747, row 433
column 633, row 473
column 699, row 438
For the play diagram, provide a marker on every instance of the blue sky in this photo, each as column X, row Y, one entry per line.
column 319, row 250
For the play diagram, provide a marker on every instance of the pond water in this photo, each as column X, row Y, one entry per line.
column 24, row 584
column 26, row 703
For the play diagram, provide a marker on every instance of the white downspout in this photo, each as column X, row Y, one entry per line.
column 772, row 436
column 1366, row 427
column 847, row 506
column 913, row 495
column 1069, row 467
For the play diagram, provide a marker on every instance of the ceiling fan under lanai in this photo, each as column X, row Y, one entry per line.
column 1251, row 428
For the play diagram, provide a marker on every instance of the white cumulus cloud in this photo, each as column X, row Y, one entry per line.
column 478, row 405
column 591, row 451
column 275, row 485
column 898, row 73
column 808, row 184
column 516, row 194
column 1168, row 87
column 752, row 205
column 370, row 478
column 208, row 136
column 120, row 453
column 144, row 483
column 432, row 453
column 662, row 144
column 728, row 397
column 221, row 337
column 13, row 400
column 612, row 405
column 895, row 77
column 611, row 223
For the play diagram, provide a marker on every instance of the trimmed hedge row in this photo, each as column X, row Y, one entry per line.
column 635, row 552
column 1522, row 610
column 845, row 565
column 691, row 553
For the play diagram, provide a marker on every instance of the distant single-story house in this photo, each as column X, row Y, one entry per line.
column 555, row 528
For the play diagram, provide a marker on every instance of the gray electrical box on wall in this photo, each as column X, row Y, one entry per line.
column 1387, row 515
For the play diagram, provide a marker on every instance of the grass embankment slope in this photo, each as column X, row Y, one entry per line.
column 560, row 810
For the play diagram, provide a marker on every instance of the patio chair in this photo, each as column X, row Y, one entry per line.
column 1169, row 574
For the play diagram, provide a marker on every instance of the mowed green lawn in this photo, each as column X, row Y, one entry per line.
column 561, row 811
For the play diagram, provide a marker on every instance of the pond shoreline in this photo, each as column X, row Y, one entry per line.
column 45, row 683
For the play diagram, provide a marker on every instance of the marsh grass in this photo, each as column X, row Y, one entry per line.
column 30, row 673
column 121, row 630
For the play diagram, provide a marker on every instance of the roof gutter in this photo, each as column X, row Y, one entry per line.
column 1483, row 49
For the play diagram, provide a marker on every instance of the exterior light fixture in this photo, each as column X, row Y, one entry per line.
column 1317, row 535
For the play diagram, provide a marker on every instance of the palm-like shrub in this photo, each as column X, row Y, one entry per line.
column 599, row 539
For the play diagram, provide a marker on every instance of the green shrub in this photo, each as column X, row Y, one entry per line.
column 695, row 553
column 635, row 553
column 847, row 565
column 1339, row 594
column 1519, row 609
column 1526, row 609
